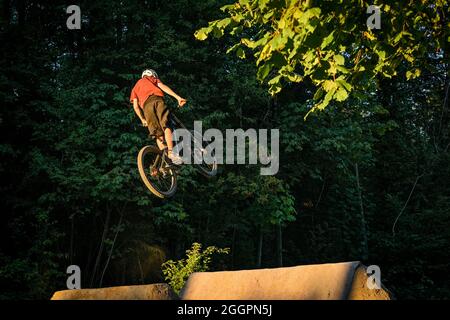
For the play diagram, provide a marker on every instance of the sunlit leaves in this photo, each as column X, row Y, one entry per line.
column 341, row 94
column 328, row 40
column 411, row 74
column 339, row 59
column 201, row 34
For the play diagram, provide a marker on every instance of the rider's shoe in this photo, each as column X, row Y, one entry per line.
column 176, row 159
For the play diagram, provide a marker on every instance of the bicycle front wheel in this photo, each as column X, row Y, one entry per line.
column 158, row 176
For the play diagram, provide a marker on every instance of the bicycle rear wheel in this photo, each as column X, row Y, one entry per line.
column 156, row 173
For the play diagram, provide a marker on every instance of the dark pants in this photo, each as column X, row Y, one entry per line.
column 157, row 115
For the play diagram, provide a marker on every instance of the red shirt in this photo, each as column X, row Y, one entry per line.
column 144, row 88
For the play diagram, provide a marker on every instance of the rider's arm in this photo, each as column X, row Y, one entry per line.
column 137, row 110
column 170, row 92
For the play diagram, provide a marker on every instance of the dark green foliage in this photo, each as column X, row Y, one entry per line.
column 177, row 272
column 71, row 193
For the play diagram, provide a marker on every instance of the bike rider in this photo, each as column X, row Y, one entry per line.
column 147, row 98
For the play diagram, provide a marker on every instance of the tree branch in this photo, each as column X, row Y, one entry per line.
column 406, row 203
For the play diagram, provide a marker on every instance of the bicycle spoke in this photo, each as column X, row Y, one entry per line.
column 165, row 183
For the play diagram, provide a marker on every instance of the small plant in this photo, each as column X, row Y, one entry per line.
column 177, row 272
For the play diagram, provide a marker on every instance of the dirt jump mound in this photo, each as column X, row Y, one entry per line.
column 338, row 281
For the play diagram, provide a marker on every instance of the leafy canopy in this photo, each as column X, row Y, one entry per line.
column 329, row 42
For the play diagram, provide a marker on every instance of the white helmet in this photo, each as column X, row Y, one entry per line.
column 150, row 73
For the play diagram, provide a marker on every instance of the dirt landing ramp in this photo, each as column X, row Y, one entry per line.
column 339, row 281
column 159, row 291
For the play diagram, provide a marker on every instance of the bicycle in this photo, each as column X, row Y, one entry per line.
column 159, row 174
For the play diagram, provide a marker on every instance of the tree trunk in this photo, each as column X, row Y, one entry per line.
column 21, row 13
column 71, row 238
column 7, row 12
column 111, row 250
column 91, row 249
column 102, row 243
column 365, row 248
column 279, row 246
column 206, row 237
column 260, row 245
column 233, row 246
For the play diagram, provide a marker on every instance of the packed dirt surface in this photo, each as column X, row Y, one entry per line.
column 359, row 290
column 339, row 281
column 160, row 291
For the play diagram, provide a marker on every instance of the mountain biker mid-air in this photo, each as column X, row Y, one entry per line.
column 147, row 98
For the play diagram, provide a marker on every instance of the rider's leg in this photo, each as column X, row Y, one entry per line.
column 169, row 139
column 160, row 143
column 176, row 159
